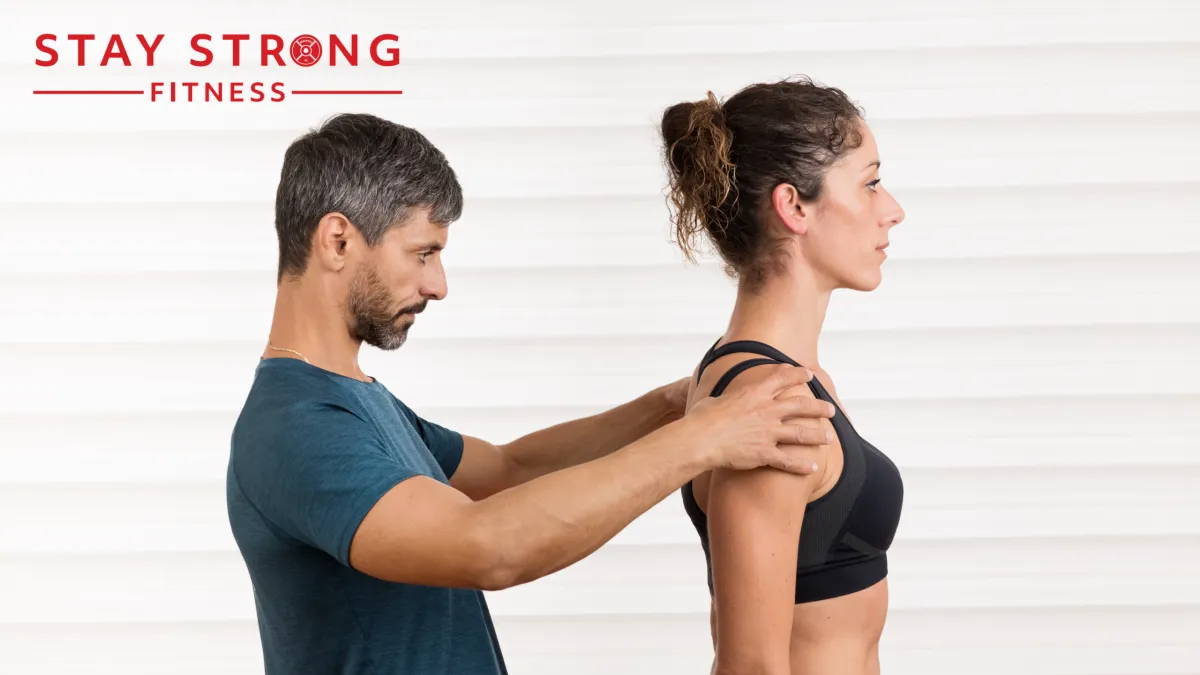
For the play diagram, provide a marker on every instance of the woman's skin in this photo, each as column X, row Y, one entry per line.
column 755, row 516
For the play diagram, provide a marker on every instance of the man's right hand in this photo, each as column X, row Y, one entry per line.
column 755, row 426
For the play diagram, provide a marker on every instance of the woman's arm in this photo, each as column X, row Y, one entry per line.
column 754, row 520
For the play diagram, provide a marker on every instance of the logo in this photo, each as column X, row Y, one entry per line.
column 268, row 59
column 306, row 50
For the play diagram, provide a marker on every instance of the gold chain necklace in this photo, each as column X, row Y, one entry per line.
column 293, row 351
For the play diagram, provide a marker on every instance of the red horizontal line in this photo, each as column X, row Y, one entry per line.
column 347, row 91
column 89, row 91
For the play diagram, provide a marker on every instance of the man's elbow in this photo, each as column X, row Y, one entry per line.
column 495, row 572
column 496, row 564
column 515, row 470
column 496, row 578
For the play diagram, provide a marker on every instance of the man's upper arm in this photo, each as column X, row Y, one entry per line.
column 484, row 470
column 423, row 532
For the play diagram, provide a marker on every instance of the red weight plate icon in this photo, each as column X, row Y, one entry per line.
column 306, row 50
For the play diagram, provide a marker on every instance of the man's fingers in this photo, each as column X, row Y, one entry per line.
column 802, row 406
column 794, row 460
column 800, row 434
column 785, row 376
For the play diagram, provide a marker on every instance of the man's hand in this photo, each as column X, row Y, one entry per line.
column 755, row 427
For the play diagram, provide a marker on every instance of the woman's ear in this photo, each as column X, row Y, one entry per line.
column 788, row 207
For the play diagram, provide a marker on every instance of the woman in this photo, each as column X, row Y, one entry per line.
column 783, row 180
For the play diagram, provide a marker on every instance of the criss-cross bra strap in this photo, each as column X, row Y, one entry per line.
column 769, row 354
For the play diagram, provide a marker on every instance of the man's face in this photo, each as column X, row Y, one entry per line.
column 395, row 281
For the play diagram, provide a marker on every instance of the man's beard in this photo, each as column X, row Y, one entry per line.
column 374, row 320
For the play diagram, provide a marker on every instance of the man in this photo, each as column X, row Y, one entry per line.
column 369, row 532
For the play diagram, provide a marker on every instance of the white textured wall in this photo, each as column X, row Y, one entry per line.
column 1032, row 361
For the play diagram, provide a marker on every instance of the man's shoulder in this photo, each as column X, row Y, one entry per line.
column 287, row 401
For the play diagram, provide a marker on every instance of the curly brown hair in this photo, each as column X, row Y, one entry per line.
column 725, row 159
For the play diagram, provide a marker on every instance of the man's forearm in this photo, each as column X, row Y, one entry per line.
column 582, row 440
column 548, row 523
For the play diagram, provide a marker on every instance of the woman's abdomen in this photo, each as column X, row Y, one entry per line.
column 839, row 636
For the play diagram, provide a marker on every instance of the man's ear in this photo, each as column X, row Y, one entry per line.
column 793, row 212
column 333, row 238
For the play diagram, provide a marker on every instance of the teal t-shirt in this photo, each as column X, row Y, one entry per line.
column 311, row 453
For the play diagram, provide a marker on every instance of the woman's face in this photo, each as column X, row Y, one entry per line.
column 847, row 229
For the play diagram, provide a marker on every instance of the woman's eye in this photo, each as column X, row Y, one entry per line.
column 872, row 184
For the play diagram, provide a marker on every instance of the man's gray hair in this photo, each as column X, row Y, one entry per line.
column 369, row 169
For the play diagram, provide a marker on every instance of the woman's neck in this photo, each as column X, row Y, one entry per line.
column 786, row 312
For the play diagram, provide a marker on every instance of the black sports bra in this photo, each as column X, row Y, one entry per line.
column 847, row 531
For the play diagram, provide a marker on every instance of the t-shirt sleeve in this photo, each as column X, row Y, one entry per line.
column 317, row 474
column 445, row 444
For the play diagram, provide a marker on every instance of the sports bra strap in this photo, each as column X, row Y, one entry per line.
column 742, row 346
column 754, row 347
column 770, row 355
column 733, row 372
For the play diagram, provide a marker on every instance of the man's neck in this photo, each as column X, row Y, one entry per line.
column 308, row 325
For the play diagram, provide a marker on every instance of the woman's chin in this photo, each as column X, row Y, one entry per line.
column 865, row 282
